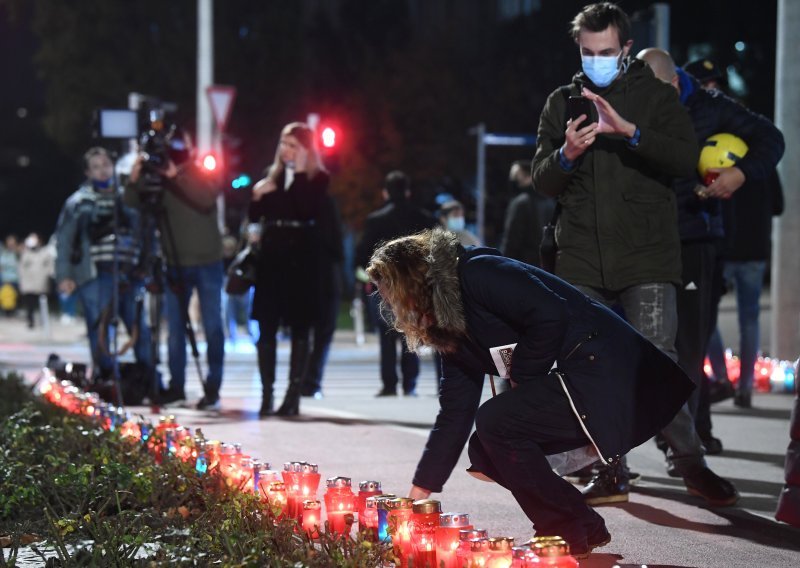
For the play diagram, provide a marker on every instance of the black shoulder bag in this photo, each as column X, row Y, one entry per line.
column 548, row 248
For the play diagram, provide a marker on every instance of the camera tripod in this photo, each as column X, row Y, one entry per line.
column 155, row 222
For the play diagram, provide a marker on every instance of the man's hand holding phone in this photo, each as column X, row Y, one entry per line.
column 581, row 132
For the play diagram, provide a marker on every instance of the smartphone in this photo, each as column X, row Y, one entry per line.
column 578, row 105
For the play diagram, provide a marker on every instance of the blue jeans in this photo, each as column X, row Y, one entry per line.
column 652, row 310
column 237, row 309
column 207, row 280
column 748, row 279
column 95, row 297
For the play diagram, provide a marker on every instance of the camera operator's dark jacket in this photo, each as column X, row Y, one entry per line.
column 190, row 207
column 623, row 388
column 73, row 239
column 618, row 223
column 713, row 112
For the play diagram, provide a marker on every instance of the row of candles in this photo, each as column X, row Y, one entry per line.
column 421, row 534
column 769, row 375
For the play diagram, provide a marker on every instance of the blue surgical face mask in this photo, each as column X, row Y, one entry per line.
column 100, row 185
column 455, row 224
column 601, row 69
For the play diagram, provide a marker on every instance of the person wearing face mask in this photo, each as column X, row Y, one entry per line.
column 451, row 217
column 35, row 269
column 87, row 241
column 617, row 231
column 291, row 203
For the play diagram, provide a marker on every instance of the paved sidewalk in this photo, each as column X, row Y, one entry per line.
column 350, row 432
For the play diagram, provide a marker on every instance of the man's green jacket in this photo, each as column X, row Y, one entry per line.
column 618, row 223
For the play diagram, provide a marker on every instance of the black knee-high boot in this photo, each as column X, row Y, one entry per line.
column 297, row 370
column 267, row 349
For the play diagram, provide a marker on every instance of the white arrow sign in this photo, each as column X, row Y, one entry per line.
column 221, row 97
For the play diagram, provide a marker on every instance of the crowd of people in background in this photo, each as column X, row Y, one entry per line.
column 636, row 230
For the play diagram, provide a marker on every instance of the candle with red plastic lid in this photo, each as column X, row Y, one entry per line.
column 422, row 528
column 340, row 503
column 450, row 524
column 365, row 489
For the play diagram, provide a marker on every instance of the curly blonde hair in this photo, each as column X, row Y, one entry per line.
column 401, row 269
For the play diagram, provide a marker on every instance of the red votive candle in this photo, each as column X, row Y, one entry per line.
column 500, row 552
column 463, row 553
column 422, row 527
column 291, row 477
column 450, row 524
column 369, row 526
column 553, row 553
column 400, row 510
column 340, row 503
column 276, row 497
column 309, row 481
column 311, row 517
column 365, row 489
column 478, row 553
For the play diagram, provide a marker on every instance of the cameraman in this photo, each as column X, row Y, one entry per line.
column 86, row 242
column 186, row 216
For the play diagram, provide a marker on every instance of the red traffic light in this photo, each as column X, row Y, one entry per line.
column 209, row 162
column 328, row 137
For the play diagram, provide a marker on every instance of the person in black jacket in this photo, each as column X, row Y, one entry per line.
column 289, row 202
column 397, row 218
column 586, row 385
column 700, row 220
column 526, row 216
column 329, row 288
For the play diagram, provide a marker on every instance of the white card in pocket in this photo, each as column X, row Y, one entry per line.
column 501, row 355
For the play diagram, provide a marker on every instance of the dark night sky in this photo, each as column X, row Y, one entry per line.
column 31, row 197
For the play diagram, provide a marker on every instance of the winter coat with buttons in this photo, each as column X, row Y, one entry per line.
column 623, row 389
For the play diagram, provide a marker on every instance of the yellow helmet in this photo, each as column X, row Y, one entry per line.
column 720, row 151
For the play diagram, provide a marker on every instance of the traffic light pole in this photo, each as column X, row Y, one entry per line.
column 490, row 139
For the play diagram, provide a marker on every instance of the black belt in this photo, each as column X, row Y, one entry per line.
column 289, row 223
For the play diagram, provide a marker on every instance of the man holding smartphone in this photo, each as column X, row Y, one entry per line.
column 617, row 232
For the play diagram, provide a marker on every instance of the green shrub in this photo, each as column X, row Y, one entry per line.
column 65, row 480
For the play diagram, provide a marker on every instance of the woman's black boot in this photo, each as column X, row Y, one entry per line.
column 297, row 368
column 267, row 358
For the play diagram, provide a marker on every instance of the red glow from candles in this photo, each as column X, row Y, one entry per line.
column 311, row 518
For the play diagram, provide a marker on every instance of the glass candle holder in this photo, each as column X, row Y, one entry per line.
column 478, row 553
column 309, row 481
column 276, row 498
column 400, row 510
column 500, row 552
column 213, row 450
column 450, row 524
column 265, row 477
column 311, row 520
column 365, row 489
column 382, row 505
column 201, row 455
column 463, row 552
column 291, row 477
column 340, row 503
column 369, row 526
column 553, row 553
column 521, row 555
column 258, row 468
column 130, row 430
column 422, row 528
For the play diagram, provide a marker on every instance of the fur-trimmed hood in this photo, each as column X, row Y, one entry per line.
column 445, row 284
